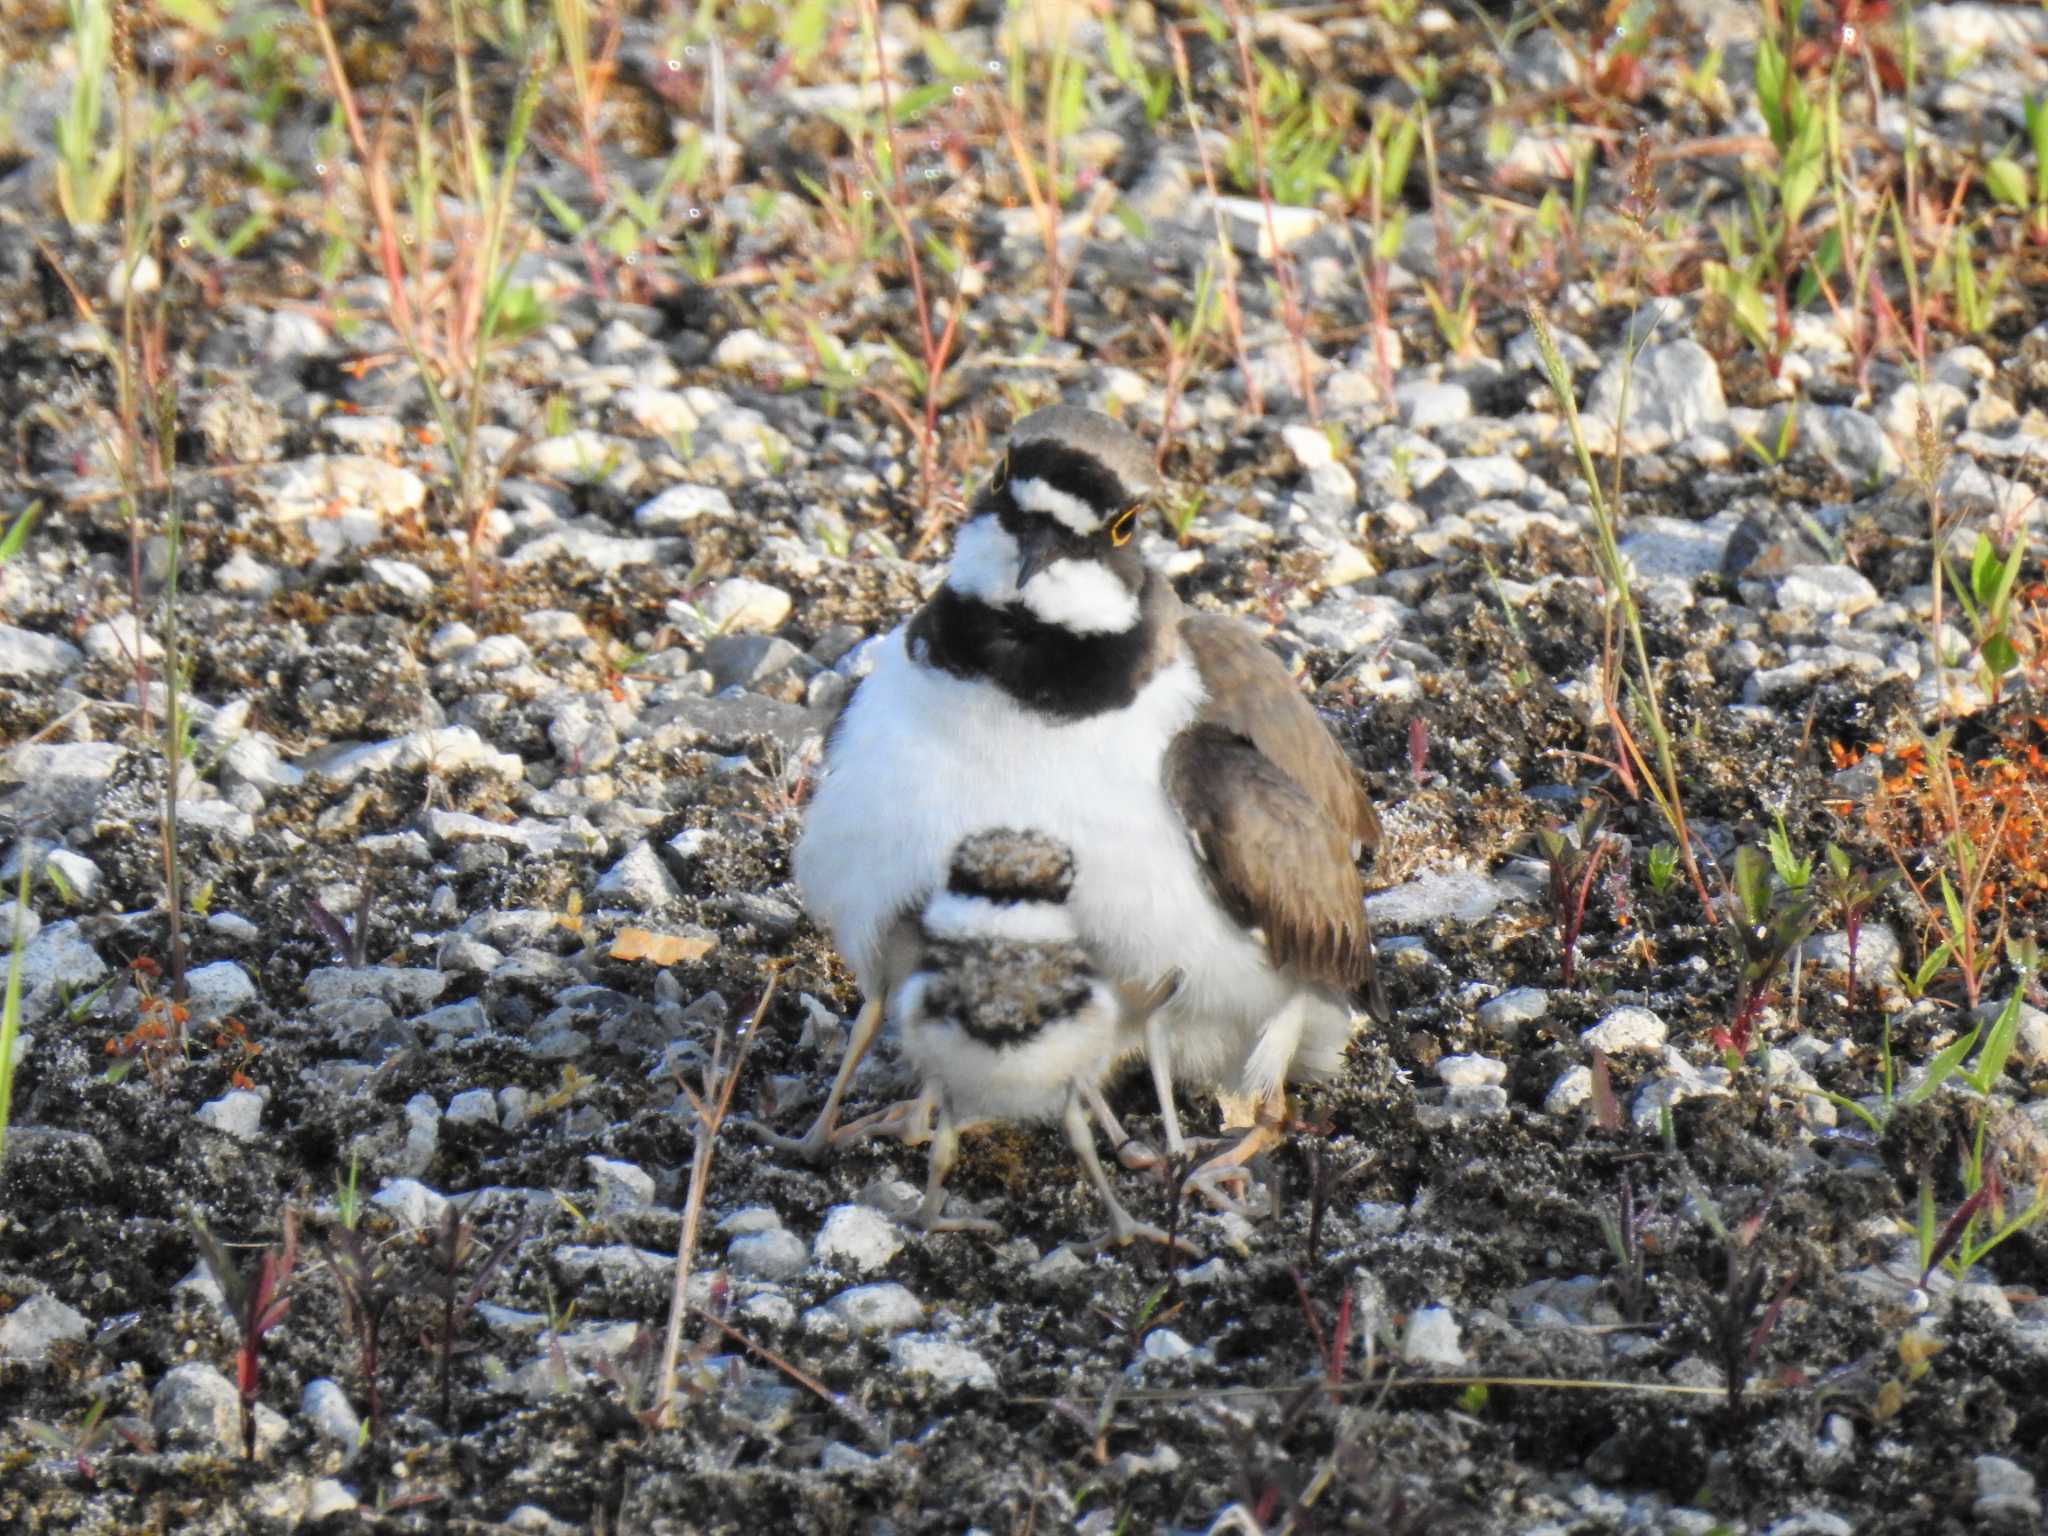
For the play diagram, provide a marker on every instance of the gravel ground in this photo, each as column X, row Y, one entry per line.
column 1571, row 1247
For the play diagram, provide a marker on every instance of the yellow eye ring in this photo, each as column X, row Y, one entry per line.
column 1120, row 530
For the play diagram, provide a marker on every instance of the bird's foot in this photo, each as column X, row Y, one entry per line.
column 979, row 1225
column 1123, row 1233
column 907, row 1121
column 1225, row 1189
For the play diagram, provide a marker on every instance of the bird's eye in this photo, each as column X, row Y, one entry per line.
column 1120, row 530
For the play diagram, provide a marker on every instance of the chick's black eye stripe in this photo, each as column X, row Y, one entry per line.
column 1070, row 470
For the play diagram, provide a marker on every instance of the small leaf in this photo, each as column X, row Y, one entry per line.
column 1753, row 884
column 1805, row 163
column 1932, row 966
column 1941, row 1069
column 1998, row 1049
column 1984, row 570
column 2004, row 180
column 660, row 948
column 1998, row 653
column 1958, row 924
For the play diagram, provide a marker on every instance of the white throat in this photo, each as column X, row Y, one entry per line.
column 950, row 915
column 1082, row 596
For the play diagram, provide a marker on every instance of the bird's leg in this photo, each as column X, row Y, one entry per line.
column 1123, row 1227
column 1144, row 1003
column 1268, row 1124
column 945, row 1150
column 1159, row 1056
column 820, row 1138
column 907, row 1120
column 1131, row 1152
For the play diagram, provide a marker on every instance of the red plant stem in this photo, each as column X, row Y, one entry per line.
column 383, row 211
column 935, row 349
column 1283, row 263
column 1254, row 397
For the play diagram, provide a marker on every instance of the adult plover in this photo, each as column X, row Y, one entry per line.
column 1054, row 681
column 1006, row 1018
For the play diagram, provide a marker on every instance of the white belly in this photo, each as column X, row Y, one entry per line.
column 921, row 759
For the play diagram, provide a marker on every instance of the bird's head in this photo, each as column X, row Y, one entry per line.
column 1055, row 530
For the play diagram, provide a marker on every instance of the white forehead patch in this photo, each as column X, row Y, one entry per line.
column 984, row 563
column 1082, row 596
column 1035, row 495
column 949, row 915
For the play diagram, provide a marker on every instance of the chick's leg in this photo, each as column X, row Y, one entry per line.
column 1268, row 1117
column 945, row 1151
column 823, row 1134
column 907, row 1120
column 1123, row 1227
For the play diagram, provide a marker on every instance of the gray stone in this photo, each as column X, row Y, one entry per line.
column 749, row 1219
column 1380, row 1218
column 1811, row 1522
column 1430, row 1341
column 1572, row 1090
column 579, row 454
column 217, row 990
column 1448, row 895
column 447, row 749
column 56, row 962
column 1671, row 548
column 681, row 507
column 1830, row 591
column 326, row 1405
column 639, row 880
column 1245, row 226
column 473, row 1106
column 197, row 1408
column 602, row 552
column 25, row 654
column 1666, row 1093
column 404, row 987
column 730, row 723
column 1674, row 391
column 776, row 1254
column 1309, row 445
column 1877, row 953
column 341, row 501
column 1627, row 1030
column 620, row 1186
column 401, row 577
column 741, row 661
column 1348, row 623
column 36, row 1326
column 750, row 352
column 1848, row 441
column 1514, row 1008
column 18, row 925
column 411, row 1204
column 2005, row 1493
column 238, row 1113
column 877, row 1309
column 1425, row 404
column 740, row 604
column 1470, row 1071
column 857, row 1239
column 117, row 641
column 942, row 1363
column 583, row 738
column 657, row 412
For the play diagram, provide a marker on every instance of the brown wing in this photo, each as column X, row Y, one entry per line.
column 1251, row 695
column 1277, row 863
